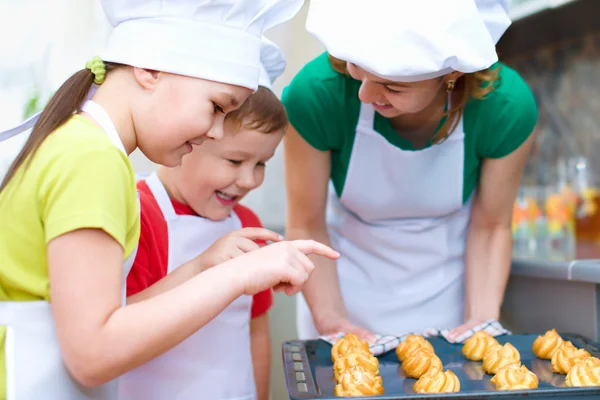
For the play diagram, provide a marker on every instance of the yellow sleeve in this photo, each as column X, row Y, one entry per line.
column 89, row 189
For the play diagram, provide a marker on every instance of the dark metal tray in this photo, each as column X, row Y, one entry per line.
column 309, row 372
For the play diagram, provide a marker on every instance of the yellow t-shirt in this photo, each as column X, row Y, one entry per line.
column 77, row 179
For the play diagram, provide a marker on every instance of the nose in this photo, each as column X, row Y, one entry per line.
column 216, row 131
column 247, row 179
column 369, row 92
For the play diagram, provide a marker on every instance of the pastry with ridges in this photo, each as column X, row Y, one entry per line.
column 437, row 381
column 498, row 356
column 585, row 373
column 545, row 346
column 475, row 346
column 515, row 377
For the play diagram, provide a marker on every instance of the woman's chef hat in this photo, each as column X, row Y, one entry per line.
column 272, row 63
column 218, row 40
column 411, row 40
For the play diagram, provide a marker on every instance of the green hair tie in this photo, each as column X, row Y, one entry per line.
column 98, row 68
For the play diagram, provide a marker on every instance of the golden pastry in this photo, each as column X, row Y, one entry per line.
column 361, row 357
column 498, row 356
column 476, row 345
column 585, row 373
column 419, row 362
column 348, row 344
column 545, row 346
column 514, row 377
column 567, row 356
column 411, row 343
column 358, row 381
column 437, row 381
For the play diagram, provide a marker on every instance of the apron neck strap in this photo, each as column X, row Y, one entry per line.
column 98, row 113
column 367, row 115
column 160, row 194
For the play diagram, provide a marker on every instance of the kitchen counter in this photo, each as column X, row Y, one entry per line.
column 560, row 292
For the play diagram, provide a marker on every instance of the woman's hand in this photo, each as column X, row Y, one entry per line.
column 235, row 244
column 334, row 324
column 459, row 330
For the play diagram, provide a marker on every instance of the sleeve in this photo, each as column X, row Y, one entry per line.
column 92, row 189
column 151, row 260
column 310, row 106
column 263, row 301
column 512, row 119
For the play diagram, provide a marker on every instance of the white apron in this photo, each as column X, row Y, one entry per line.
column 400, row 227
column 34, row 366
column 215, row 362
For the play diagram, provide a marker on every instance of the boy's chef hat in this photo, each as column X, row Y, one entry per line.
column 272, row 63
column 218, row 40
column 411, row 40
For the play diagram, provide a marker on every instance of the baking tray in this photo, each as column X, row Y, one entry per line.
column 309, row 372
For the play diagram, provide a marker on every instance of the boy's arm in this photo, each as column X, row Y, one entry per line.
column 260, row 343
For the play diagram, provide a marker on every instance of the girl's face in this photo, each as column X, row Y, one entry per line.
column 177, row 113
column 392, row 99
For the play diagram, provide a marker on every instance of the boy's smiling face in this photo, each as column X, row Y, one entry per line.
column 216, row 175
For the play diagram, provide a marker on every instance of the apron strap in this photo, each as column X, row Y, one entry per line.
column 103, row 119
column 24, row 126
column 160, row 194
column 367, row 116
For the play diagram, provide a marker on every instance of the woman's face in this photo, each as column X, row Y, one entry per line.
column 392, row 99
column 179, row 112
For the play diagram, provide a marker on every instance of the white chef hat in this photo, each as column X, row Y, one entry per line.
column 218, row 40
column 272, row 63
column 411, row 40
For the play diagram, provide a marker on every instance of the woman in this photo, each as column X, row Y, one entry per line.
column 70, row 217
column 424, row 137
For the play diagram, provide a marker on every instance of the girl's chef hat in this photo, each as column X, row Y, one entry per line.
column 411, row 40
column 272, row 63
column 218, row 40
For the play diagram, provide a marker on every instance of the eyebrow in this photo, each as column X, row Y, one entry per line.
column 227, row 100
column 240, row 153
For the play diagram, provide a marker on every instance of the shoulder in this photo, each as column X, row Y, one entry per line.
column 247, row 217
column 321, row 103
column 505, row 118
column 80, row 144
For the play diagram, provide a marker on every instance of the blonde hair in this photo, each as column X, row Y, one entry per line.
column 476, row 86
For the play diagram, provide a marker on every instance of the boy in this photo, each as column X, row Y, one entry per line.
column 191, row 212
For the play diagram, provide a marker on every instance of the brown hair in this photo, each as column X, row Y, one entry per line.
column 59, row 109
column 262, row 111
column 476, row 86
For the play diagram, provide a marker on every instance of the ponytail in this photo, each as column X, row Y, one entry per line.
column 59, row 109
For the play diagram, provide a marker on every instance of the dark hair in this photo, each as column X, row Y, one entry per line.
column 59, row 109
column 262, row 111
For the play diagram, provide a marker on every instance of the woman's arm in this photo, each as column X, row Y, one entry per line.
column 101, row 340
column 260, row 344
column 307, row 173
column 489, row 241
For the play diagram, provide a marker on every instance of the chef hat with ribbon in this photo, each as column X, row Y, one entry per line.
column 272, row 63
column 411, row 40
column 218, row 40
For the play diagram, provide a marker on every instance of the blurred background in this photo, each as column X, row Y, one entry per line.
column 554, row 44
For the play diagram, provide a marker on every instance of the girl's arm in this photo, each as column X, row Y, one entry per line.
column 101, row 340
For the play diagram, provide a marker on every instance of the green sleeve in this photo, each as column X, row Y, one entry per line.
column 313, row 104
column 511, row 116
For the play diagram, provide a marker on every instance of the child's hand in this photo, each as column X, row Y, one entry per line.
column 235, row 244
column 282, row 266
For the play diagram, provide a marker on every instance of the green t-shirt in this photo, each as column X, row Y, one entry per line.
column 323, row 106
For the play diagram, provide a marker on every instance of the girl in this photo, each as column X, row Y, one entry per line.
column 191, row 212
column 424, row 137
column 69, row 209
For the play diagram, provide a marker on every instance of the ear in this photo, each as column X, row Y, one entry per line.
column 453, row 76
column 146, row 78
